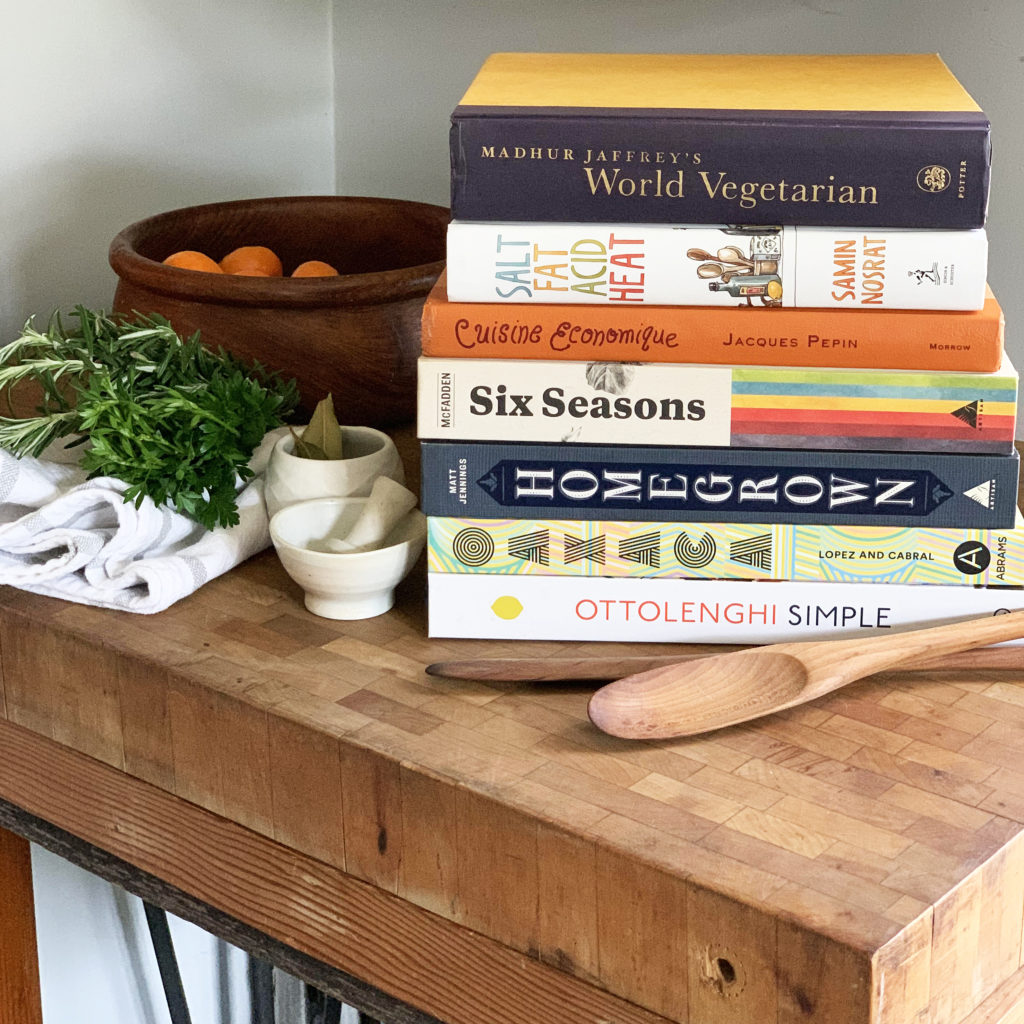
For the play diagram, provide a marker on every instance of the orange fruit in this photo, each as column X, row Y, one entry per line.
column 314, row 268
column 251, row 272
column 189, row 259
column 247, row 258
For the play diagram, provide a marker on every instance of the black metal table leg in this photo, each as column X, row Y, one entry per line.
column 167, row 962
column 261, row 991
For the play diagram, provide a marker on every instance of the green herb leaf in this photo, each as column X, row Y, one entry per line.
column 174, row 420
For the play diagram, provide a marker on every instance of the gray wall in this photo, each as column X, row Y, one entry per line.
column 401, row 66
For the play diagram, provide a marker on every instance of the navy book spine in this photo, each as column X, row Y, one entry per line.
column 920, row 170
column 677, row 484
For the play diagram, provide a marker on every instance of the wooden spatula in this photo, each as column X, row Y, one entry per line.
column 600, row 667
column 698, row 696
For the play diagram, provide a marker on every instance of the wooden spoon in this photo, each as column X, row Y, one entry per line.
column 706, row 270
column 698, row 696
column 730, row 254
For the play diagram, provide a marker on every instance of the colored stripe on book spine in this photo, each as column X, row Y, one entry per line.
column 995, row 392
column 925, row 424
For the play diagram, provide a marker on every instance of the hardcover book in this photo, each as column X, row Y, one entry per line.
column 738, row 551
column 694, row 611
column 716, row 406
column 879, row 140
column 709, row 265
column 892, row 339
column 740, row 485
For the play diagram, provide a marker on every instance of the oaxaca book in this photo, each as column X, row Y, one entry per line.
column 870, row 140
column 694, row 611
column 739, row 551
column 716, row 406
column 710, row 265
column 736, row 485
column 893, row 339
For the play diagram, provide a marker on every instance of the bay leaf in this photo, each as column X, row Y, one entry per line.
column 304, row 449
column 323, row 432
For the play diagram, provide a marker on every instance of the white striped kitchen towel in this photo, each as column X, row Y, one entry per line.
column 78, row 539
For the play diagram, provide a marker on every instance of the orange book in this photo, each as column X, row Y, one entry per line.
column 894, row 339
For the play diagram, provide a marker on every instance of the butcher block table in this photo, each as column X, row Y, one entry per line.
column 480, row 854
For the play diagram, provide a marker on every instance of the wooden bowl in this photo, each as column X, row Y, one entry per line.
column 355, row 336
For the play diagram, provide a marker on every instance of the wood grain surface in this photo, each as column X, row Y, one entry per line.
column 857, row 860
column 20, row 1001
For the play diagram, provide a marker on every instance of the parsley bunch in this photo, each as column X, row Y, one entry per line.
column 174, row 420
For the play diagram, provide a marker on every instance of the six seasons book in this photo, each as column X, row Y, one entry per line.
column 869, row 140
column 571, row 402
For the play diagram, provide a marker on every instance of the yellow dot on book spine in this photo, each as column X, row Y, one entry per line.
column 507, row 608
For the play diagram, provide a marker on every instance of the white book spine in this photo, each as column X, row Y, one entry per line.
column 708, row 265
column 694, row 611
column 564, row 401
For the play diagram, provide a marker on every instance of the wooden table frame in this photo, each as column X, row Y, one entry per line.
column 479, row 855
column 124, row 831
column 19, row 983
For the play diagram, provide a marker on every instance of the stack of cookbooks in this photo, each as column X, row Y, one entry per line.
column 640, row 395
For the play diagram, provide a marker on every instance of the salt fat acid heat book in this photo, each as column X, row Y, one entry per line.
column 724, row 265
column 860, row 140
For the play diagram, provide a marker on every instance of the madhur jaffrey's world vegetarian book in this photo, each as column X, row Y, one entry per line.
column 867, row 140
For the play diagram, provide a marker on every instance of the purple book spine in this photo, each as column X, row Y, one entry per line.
column 922, row 170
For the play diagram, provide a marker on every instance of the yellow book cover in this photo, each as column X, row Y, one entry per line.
column 848, row 82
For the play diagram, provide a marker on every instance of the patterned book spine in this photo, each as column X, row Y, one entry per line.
column 716, row 406
column 891, row 339
column 693, row 611
column 746, row 485
column 738, row 551
column 756, row 167
column 708, row 265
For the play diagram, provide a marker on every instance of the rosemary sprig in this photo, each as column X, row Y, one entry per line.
column 171, row 418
